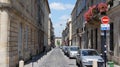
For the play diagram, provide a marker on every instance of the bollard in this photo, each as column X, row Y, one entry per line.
column 95, row 63
column 21, row 63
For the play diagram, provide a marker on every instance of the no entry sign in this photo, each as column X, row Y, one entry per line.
column 105, row 19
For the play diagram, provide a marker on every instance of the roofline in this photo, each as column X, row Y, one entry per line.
column 74, row 7
column 48, row 6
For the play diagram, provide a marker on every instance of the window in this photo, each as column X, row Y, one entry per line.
column 111, row 37
column 116, row 3
column 104, row 1
column 26, row 37
column 119, row 3
column 91, row 38
column 96, row 31
column 91, row 2
column 20, row 41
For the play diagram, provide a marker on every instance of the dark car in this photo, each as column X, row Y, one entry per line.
column 65, row 49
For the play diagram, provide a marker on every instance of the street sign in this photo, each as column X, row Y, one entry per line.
column 105, row 19
column 105, row 26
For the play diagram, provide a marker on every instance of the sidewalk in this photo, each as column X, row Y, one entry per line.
column 34, row 62
column 116, row 66
column 36, row 58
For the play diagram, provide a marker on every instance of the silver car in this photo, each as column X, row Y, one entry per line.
column 85, row 58
column 72, row 51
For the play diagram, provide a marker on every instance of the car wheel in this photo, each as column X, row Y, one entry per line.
column 77, row 63
column 70, row 57
column 80, row 64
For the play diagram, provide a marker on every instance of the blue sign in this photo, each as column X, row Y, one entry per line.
column 105, row 28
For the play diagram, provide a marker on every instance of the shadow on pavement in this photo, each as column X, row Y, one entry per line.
column 36, row 58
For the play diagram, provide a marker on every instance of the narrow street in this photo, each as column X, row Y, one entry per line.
column 54, row 58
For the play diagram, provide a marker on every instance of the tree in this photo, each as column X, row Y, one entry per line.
column 58, row 42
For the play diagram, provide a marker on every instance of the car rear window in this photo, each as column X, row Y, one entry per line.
column 74, row 48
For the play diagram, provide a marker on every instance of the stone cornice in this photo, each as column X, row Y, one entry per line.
column 6, row 6
column 113, row 10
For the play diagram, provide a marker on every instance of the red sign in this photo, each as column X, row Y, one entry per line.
column 105, row 19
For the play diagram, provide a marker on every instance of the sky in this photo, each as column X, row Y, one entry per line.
column 60, row 13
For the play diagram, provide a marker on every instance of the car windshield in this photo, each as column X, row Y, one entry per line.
column 89, row 53
column 74, row 48
column 66, row 48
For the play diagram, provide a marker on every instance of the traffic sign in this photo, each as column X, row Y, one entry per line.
column 105, row 19
column 105, row 26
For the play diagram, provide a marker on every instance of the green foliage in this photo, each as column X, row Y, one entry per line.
column 58, row 42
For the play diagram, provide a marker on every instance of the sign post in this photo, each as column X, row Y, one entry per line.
column 104, row 27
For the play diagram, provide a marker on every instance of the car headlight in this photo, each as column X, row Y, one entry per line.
column 84, row 60
column 100, row 60
column 71, row 52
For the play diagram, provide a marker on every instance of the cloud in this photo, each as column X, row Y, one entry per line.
column 60, row 6
column 59, row 27
column 64, row 17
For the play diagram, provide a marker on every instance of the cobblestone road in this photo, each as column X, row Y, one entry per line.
column 54, row 58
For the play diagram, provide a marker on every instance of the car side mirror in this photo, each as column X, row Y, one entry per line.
column 101, row 55
column 78, row 54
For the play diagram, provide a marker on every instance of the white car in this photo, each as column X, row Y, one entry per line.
column 85, row 58
column 72, row 51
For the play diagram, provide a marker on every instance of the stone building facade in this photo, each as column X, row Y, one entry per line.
column 84, row 35
column 91, row 36
column 73, row 17
column 22, row 25
column 46, row 20
column 96, row 38
column 114, row 33
column 50, row 34
column 78, row 36
column 70, row 31
column 65, row 35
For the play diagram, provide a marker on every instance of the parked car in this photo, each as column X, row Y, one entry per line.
column 65, row 49
column 72, row 51
column 85, row 58
column 60, row 47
